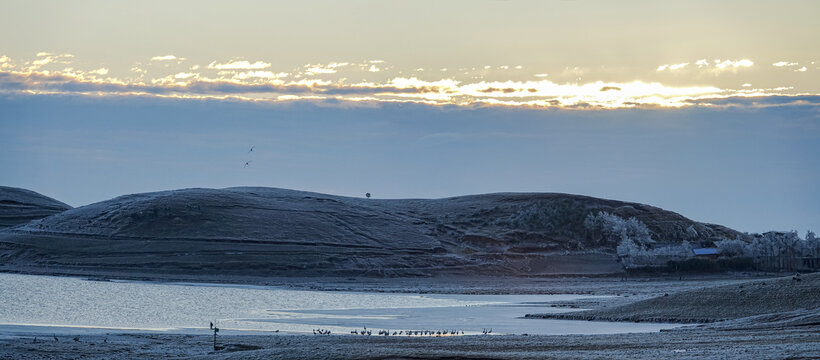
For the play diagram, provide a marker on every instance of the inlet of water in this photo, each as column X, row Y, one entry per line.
column 46, row 304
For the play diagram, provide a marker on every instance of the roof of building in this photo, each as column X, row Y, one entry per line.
column 705, row 251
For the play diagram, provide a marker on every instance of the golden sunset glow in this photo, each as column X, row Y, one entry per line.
column 259, row 81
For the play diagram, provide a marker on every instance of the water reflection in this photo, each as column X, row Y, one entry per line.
column 71, row 302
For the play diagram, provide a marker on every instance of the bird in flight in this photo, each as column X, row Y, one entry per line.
column 247, row 163
column 251, row 150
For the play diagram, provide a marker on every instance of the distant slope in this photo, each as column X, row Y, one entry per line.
column 18, row 206
column 755, row 297
column 277, row 232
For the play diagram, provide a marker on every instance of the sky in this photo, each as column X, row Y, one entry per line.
column 705, row 108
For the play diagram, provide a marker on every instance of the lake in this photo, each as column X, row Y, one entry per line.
column 31, row 304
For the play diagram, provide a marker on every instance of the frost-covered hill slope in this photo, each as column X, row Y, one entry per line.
column 18, row 206
column 277, row 232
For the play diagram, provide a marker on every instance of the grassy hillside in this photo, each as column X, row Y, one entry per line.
column 19, row 206
column 267, row 232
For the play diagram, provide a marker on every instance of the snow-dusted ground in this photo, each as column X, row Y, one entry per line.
column 732, row 301
column 794, row 343
column 269, row 232
column 766, row 337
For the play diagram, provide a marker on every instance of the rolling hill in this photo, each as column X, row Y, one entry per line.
column 19, row 206
column 276, row 232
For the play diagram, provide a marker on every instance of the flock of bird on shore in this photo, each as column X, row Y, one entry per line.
column 367, row 332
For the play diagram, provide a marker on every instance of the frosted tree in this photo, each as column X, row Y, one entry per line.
column 810, row 247
column 789, row 244
column 613, row 229
column 779, row 244
column 732, row 248
column 772, row 244
column 629, row 252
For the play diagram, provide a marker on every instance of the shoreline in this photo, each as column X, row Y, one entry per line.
column 610, row 284
column 782, row 295
column 689, row 343
column 770, row 336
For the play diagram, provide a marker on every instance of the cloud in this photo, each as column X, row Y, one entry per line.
column 260, row 75
column 498, row 90
column 41, row 62
column 324, row 69
column 166, row 58
column 45, row 53
column 542, row 93
column 319, row 70
column 100, row 71
column 239, row 65
column 245, row 80
column 733, row 63
column 185, row 75
column 373, row 68
column 45, row 58
column 671, row 67
column 77, row 83
column 37, row 81
column 715, row 66
column 761, row 101
column 6, row 63
column 788, row 64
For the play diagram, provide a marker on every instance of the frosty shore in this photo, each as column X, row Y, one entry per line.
column 796, row 343
column 784, row 334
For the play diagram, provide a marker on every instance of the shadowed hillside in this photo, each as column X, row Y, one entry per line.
column 277, row 232
column 18, row 206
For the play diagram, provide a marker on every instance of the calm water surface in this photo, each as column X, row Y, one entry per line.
column 32, row 304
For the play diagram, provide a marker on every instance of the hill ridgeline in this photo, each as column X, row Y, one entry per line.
column 276, row 232
column 19, row 206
